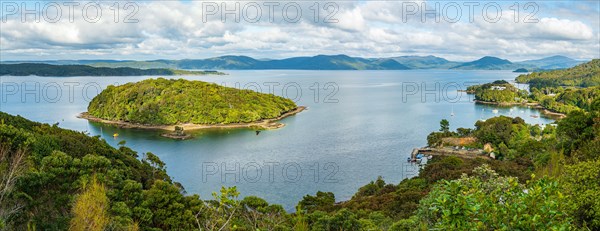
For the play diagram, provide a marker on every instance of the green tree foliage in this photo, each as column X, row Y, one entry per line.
column 486, row 201
column 258, row 213
column 581, row 182
column 583, row 75
column 13, row 163
column 90, row 210
column 565, row 100
column 444, row 125
column 165, row 102
column 322, row 201
column 497, row 130
column 576, row 130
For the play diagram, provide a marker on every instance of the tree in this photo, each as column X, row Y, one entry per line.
column 444, row 125
column 322, row 201
column 581, row 184
column 13, row 145
column 90, row 211
column 574, row 130
column 463, row 132
column 261, row 215
column 487, row 201
column 218, row 214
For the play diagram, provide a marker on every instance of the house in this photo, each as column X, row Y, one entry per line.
column 498, row 88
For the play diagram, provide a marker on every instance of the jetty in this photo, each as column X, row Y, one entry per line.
column 449, row 151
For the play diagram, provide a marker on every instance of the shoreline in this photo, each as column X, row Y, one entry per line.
column 538, row 106
column 261, row 124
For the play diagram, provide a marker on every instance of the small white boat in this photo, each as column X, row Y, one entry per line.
column 495, row 111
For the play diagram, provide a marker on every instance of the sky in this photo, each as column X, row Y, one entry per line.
column 171, row 29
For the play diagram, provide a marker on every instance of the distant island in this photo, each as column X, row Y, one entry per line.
column 521, row 70
column 328, row 62
column 41, row 69
column 175, row 105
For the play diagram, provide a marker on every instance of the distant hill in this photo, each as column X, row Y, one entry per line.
column 486, row 63
column 553, row 62
column 327, row 62
column 332, row 62
column 40, row 69
column 425, row 62
column 230, row 62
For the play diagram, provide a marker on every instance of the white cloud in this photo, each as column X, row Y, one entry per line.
column 169, row 29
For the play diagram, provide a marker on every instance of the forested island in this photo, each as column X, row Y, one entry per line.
column 40, row 69
column 169, row 103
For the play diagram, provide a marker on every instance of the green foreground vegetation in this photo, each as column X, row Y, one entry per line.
column 167, row 102
column 40, row 69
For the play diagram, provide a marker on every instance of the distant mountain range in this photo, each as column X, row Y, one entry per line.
column 328, row 62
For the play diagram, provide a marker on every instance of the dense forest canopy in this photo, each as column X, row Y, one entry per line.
column 166, row 102
column 39, row 69
column 582, row 75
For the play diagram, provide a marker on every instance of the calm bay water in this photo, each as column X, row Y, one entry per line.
column 359, row 125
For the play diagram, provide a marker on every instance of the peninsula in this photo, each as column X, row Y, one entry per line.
column 41, row 69
column 176, row 105
column 556, row 92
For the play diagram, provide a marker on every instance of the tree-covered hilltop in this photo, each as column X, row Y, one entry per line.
column 40, row 69
column 498, row 91
column 582, row 75
column 168, row 101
